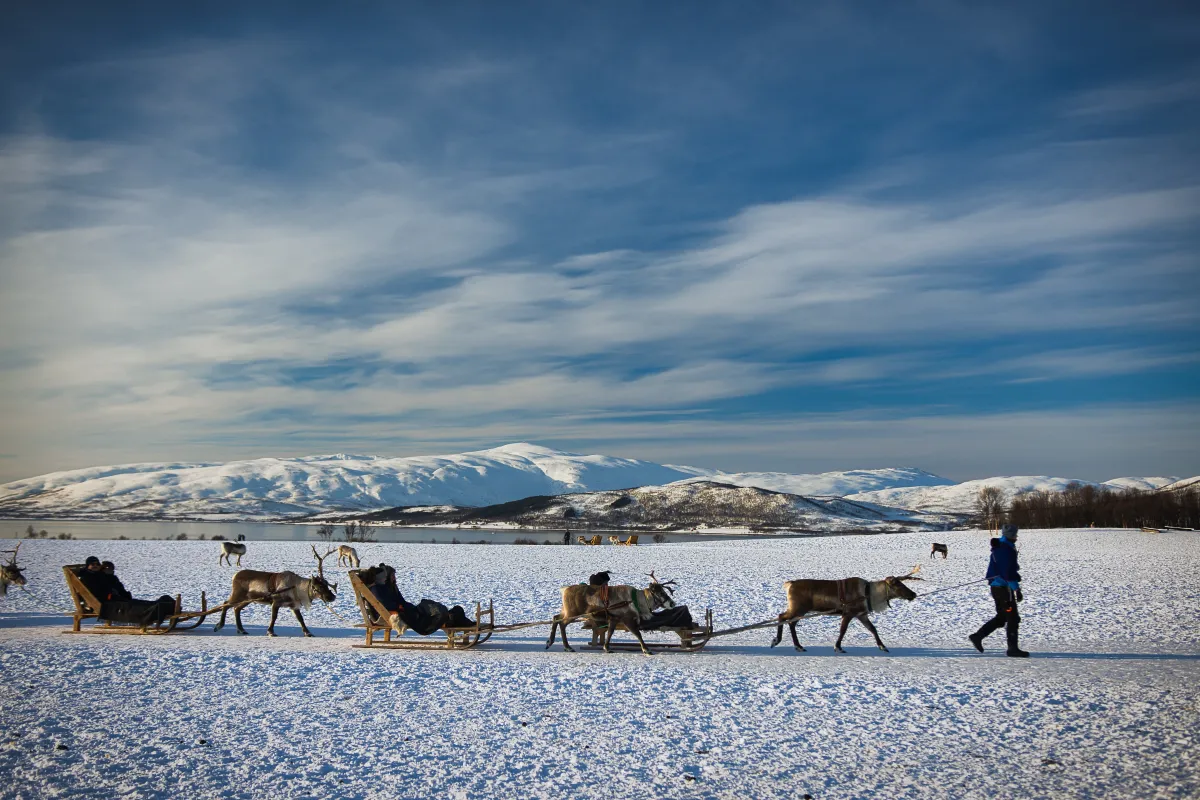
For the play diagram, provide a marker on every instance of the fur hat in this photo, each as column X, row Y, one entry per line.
column 91, row 560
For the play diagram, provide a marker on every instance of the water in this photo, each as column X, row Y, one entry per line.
column 276, row 531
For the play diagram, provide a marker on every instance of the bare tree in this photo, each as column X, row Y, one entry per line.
column 990, row 505
column 325, row 532
column 358, row 532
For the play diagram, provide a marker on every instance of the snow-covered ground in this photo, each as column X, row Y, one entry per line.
column 1107, row 707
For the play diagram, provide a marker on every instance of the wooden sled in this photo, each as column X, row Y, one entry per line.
column 691, row 640
column 631, row 540
column 87, row 607
column 375, row 619
column 595, row 540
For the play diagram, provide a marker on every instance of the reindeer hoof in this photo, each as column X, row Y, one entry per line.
column 774, row 643
column 838, row 650
column 309, row 635
column 568, row 649
column 798, row 649
column 270, row 633
column 884, row 649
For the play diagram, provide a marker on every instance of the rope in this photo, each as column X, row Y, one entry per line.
column 956, row 586
column 336, row 614
column 45, row 605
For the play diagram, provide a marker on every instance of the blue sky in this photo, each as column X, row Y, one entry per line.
column 795, row 237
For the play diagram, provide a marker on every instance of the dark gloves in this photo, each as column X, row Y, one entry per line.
column 1020, row 597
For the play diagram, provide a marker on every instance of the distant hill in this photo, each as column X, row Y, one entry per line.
column 691, row 505
column 340, row 484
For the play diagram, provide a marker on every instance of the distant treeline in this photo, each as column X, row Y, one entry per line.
column 1081, row 506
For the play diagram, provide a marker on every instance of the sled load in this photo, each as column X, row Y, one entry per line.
column 127, row 615
column 424, row 619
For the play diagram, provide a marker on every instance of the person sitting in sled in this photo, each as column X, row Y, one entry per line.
column 424, row 618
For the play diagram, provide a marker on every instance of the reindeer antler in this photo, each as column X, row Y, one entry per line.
column 13, row 558
column 320, row 561
column 912, row 574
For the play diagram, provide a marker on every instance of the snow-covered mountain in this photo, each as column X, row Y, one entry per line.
column 830, row 483
column 960, row 498
column 278, row 488
column 686, row 505
column 290, row 487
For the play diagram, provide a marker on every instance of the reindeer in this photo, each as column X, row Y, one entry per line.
column 939, row 548
column 10, row 572
column 616, row 605
column 852, row 598
column 348, row 554
column 229, row 549
column 278, row 590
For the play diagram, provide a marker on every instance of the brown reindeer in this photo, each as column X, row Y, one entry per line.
column 612, row 605
column 229, row 549
column 10, row 572
column 347, row 554
column 278, row 590
column 852, row 598
column 939, row 548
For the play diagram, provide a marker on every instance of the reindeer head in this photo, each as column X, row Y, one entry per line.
column 660, row 593
column 10, row 572
column 897, row 588
column 321, row 587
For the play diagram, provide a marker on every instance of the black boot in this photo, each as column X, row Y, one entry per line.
column 976, row 640
column 1013, row 650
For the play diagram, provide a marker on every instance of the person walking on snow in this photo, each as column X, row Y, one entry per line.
column 1004, row 579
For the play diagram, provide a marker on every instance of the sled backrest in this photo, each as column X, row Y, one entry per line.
column 367, row 601
column 86, row 604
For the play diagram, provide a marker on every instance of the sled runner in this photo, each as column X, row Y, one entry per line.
column 691, row 638
column 376, row 618
column 136, row 617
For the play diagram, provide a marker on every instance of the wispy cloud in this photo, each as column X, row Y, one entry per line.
column 257, row 245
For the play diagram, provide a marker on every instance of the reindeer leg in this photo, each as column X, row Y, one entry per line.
column 795, row 639
column 636, row 630
column 237, row 617
column 303, row 627
column 221, row 622
column 239, row 559
column 866, row 621
column 837, row 647
column 562, row 628
column 553, row 631
column 609, row 627
column 274, row 616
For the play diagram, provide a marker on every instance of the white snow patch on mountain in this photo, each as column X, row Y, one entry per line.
column 829, row 483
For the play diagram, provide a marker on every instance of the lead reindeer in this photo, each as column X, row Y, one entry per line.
column 347, row 554
column 852, row 598
column 10, row 572
column 231, row 549
column 278, row 590
column 620, row 605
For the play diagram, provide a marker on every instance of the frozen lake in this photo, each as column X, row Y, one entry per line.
column 272, row 531
column 1108, row 705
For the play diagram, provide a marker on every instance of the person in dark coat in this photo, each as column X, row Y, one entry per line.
column 119, row 592
column 1004, row 581
column 96, row 581
column 424, row 617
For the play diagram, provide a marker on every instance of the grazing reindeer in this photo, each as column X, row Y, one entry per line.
column 348, row 554
column 278, row 590
column 852, row 598
column 229, row 549
column 939, row 548
column 10, row 572
column 620, row 605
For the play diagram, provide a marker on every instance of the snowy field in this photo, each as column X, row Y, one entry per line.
column 1107, row 707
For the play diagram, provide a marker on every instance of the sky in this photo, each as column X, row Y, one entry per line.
column 746, row 236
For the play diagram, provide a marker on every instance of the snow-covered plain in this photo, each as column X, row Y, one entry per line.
column 1107, row 707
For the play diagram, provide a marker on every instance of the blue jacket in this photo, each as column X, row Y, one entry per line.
column 1003, row 569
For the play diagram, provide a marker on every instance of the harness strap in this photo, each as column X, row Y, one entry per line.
column 636, row 607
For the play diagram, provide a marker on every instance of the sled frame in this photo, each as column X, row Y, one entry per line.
column 375, row 618
column 88, row 607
